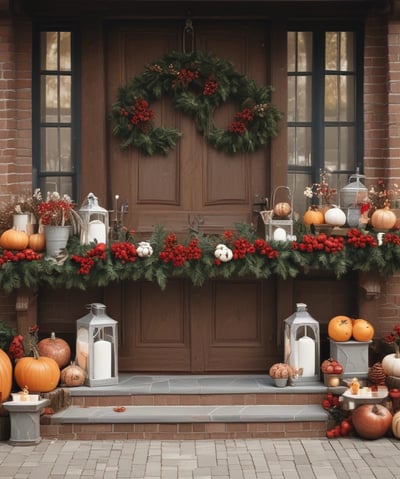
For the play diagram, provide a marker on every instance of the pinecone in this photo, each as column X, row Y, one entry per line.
column 376, row 375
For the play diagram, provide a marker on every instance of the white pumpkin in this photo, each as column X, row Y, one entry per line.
column 223, row 253
column 391, row 364
column 396, row 425
column 335, row 217
column 144, row 249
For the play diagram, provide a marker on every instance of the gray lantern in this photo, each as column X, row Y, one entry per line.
column 302, row 346
column 94, row 221
column 97, row 346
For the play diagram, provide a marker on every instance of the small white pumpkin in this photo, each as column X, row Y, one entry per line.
column 391, row 364
column 396, row 425
column 335, row 216
column 144, row 249
column 223, row 253
column 279, row 234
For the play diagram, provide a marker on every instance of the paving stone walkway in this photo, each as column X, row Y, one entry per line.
column 221, row 459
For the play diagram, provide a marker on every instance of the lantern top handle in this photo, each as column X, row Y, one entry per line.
column 96, row 307
column 301, row 307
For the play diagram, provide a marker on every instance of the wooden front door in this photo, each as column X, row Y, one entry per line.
column 225, row 325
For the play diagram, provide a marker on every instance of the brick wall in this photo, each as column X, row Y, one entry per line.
column 382, row 136
column 15, row 107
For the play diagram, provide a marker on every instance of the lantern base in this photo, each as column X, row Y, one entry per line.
column 101, row 382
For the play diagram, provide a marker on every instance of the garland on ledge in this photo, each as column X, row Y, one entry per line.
column 241, row 253
column 197, row 83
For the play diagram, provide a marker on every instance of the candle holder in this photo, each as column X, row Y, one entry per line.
column 302, row 346
column 97, row 346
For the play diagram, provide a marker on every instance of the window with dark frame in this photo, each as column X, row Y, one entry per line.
column 324, row 108
column 54, row 110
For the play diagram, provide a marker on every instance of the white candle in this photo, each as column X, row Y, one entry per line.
column 97, row 231
column 102, row 360
column 306, row 355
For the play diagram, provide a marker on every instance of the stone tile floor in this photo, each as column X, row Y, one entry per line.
column 222, row 459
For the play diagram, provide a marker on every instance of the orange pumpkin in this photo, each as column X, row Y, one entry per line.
column 37, row 242
column 55, row 348
column 383, row 219
column 14, row 239
column 362, row 330
column 313, row 216
column 340, row 328
column 5, row 376
column 39, row 375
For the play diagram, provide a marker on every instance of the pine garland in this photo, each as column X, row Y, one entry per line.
column 195, row 260
column 197, row 83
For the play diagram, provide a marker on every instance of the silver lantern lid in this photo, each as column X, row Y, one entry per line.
column 354, row 193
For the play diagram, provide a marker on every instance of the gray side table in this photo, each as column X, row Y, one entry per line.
column 25, row 421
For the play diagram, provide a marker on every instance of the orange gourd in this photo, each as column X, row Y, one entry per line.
column 14, row 239
column 5, row 376
column 313, row 216
column 38, row 374
column 340, row 328
column 55, row 348
column 37, row 242
column 383, row 219
column 362, row 330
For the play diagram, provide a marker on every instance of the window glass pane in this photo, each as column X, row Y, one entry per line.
column 50, row 149
column 49, row 99
column 297, row 182
column 340, row 148
column 304, row 56
column 299, row 146
column 347, row 51
column 331, row 98
column 347, row 145
column 303, row 96
column 65, row 51
column 291, row 110
column 347, row 100
column 49, row 51
column 62, row 184
column 65, row 149
column 65, row 99
column 331, row 51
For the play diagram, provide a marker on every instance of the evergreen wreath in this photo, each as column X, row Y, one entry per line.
column 197, row 83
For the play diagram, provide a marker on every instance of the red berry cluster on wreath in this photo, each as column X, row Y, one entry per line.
column 141, row 113
column 358, row 239
column 87, row 262
column 124, row 251
column 177, row 254
column 242, row 118
column 210, row 88
column 184, row 77
column 15, row 257
column 320, row 242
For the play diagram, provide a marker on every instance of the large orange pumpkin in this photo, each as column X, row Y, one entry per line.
column 340, row 328
column 362, row 330
column 313, row 216
column 37, row 242
column 14, row 239
column 55, row 348
column 39, row 375
column 5, row 376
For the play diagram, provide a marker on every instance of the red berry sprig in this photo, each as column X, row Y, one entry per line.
column 358, row 239
column 177, row 254
column 391, row 238
column 210, row 88
column 320, row 242
column 87, row 262
column 124, row 251
column 16, row 256
column 265, row 249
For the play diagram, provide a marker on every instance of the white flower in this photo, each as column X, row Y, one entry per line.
column 308, row 192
